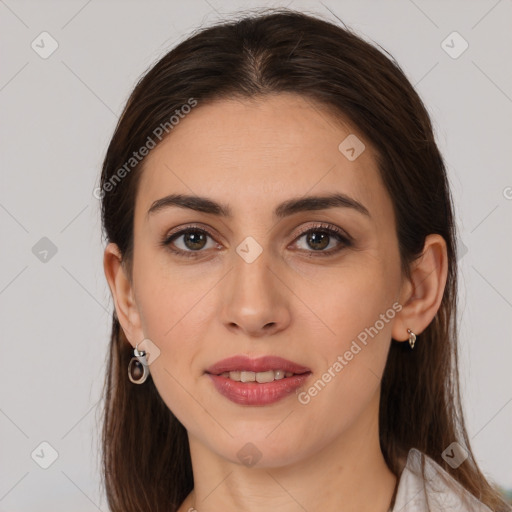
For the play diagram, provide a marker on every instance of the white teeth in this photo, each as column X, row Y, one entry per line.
column 261, row 377
column 247, row 376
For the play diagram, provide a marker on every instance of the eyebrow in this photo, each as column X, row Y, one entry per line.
column 285, row 209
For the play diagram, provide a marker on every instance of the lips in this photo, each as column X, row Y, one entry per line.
column 261, row 364
column 260, row 381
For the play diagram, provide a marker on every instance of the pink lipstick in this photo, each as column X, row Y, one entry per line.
column 260, row 381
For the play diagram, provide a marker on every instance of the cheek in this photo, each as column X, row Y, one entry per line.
column 348, row 299
column 356, row 313
column 172, row 305
column 168, row 295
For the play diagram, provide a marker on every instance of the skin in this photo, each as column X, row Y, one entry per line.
column 252, row 155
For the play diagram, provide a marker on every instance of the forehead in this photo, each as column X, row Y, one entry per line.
column 266, row 149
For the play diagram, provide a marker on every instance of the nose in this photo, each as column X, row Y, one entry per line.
column 256, row 300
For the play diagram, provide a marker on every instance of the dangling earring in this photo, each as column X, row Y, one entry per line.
column 138, row 370
column 412, row 338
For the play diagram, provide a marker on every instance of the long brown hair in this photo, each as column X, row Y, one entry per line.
column 145, row 452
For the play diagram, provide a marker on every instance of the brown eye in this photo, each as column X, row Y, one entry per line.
column 188, row 242
column 194, row 240
column 318, row 238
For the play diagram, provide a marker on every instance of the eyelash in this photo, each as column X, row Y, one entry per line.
column 329, row 229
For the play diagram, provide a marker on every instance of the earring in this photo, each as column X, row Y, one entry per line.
column 138, row 367
column 412, row 338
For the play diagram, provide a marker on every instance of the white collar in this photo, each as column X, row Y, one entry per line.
column 438, row 492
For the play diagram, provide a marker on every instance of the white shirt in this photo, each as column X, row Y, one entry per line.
column 439, row 489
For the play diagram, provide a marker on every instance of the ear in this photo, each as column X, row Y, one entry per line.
column 421, row 295
column 122, row 293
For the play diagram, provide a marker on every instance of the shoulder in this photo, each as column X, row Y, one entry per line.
column 431, row 489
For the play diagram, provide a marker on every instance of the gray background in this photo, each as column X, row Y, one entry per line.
column 57, row 117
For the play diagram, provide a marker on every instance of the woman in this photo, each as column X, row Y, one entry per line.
column 281, row 254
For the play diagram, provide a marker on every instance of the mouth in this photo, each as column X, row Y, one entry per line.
column 262, row 369
column 260, row 381
column 261, row 377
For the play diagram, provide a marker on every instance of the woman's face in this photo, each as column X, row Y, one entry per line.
column 253, row 284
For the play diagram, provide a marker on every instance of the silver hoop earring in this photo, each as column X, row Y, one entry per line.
column 412, row 338
column 138, row 370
